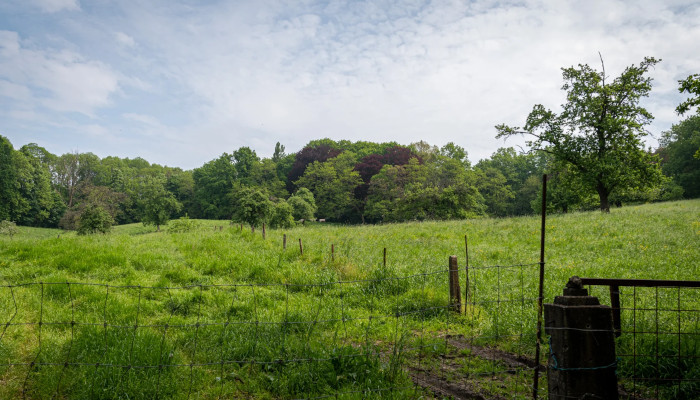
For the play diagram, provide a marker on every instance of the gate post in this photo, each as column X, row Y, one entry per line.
column 582, row 358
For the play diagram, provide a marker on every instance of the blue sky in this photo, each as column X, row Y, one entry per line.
column 178, row 82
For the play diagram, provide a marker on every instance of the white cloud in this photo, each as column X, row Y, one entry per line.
column 60, row 80
column 52, row 6
column 124, row 40
column 213, row 77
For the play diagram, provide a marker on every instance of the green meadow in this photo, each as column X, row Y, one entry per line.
column 225, row 313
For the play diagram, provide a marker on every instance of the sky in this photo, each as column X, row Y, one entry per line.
column 179, row 82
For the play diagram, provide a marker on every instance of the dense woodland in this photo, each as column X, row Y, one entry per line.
column 592, row 151
column 340, row 181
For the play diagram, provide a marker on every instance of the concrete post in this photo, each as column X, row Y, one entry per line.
column 582, row 358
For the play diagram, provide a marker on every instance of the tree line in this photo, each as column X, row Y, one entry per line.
column 592, row 152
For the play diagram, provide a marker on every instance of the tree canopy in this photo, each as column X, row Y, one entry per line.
column 600, row 129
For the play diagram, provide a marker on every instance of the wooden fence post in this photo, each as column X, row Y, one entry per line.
column 466, row 274
column 455, row 292
column 332, row 252
column 284, row 242
column 582, row 357
column 385, row 258
column 263, row 231
column 301, row 247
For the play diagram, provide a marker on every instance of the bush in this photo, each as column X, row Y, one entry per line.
column 94, row 219
column 282, row 215
column 8, row 228
column 181, row 225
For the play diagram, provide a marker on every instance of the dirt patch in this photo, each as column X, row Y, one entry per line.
column 441, row 387
column 445, row 376
column 492, row 354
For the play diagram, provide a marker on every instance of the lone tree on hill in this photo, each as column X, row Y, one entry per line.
column 599, row 132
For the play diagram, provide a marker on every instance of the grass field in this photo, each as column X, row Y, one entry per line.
column 346, row 329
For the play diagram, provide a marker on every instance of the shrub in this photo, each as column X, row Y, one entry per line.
column 94, row 219
column 181, row 225
column 8, row 228
column 282, row 215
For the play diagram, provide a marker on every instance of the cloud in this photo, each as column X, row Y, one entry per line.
column 53, row 6
column 219, row 75
column 60, row 80
column 124, row 40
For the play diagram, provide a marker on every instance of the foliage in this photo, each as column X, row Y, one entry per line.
column 213, row 183
column 600, row 129
column 252, row 206
column 8, row 228
column 332, row 183
column 281, row 216
column 182, row 225
column 307, row 156
column 157, row 204
column 678, row 147
column 423, row 191
column 94, row 219
column 690, row 85
column 303, row 205
column 516, row 169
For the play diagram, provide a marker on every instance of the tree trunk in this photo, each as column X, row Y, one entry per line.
column 603, row 193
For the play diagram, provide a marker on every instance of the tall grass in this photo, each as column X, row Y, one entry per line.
column 308, row 315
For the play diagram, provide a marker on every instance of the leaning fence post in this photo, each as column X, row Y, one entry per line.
column 455, row 292
column 582, row 360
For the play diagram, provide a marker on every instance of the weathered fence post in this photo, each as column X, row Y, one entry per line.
column 263, row 231
column 385, row 258
column 284, row 242
column 455, row 292
column 466, row 274
column 301, row 248
column 332, row 252
column 582, row 359
column 252, row 229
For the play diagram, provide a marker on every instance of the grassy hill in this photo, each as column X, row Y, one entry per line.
column 147, row 282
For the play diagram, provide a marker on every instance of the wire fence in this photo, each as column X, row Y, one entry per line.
column 378, row 338
column 503, row 302
column 657, row 325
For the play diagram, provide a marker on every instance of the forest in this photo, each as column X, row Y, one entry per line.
column 339, row 181
column 592, row 152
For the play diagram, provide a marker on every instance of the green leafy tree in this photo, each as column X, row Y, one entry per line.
column 678, row 147
column 253, row 206
column 333, row 183
column 213, row 184
column 451, row 150
column 303, row 204
column 497, row 193
column 281, row 216
column 690, row 85
column 12, row 204
column 516, row 168
column 157, row 204
column 94, row 219
column 45, row 204
column 600, row 130
column 279, row 152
